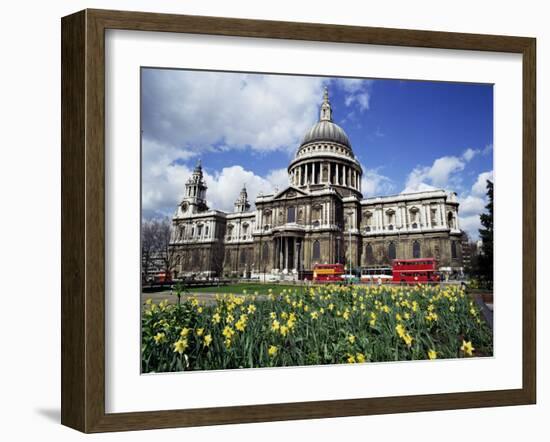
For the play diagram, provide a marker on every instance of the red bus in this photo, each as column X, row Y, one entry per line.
column 328, row 272
column 412, row 271
column 162, row 278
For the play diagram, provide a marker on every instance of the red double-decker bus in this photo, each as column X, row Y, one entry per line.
column 328, row 272
column 413, row 271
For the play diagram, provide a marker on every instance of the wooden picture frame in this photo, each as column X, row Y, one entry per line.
column 83, row 220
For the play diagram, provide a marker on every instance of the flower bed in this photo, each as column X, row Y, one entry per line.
column 319, row 325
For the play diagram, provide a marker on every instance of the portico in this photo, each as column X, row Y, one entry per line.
column 288, row 256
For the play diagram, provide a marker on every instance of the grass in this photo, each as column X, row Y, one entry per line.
column 250, row 288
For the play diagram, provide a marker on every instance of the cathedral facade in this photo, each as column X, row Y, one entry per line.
column 320, row 218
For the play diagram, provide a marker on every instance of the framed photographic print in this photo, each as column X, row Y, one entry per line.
column 268, row 221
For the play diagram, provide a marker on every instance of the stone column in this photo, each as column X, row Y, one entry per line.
column 312, row 173
column 286, row 252
column 295, row 248
column 443, row 216
column 337, row 174
column 280, row 249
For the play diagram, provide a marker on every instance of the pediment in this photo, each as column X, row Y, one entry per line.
column 289, row 192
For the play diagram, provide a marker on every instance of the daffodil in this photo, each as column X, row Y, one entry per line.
column 351, row 359
column 180, row 346
column 207, row 340
column 400, row 330
column 408, row 339
column 284, row 330
column 432, row 354
column 159, row 338
column 216, row 318
column 272, row 351
column 467, row 347
column 228, row 332
column 184, row 332
column 275, row 325
column 200, row 331
column 351, row 339
column 360, row 357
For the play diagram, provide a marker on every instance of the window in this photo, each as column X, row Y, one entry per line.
column 199, row 230
column 369, row 254
column 206, row 231
column 242, row 258
column 316, row 254
column 291, row 215
column 416, row 249
column 391, row 251
column 453, row 250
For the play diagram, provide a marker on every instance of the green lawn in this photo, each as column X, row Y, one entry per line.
column 250, row 288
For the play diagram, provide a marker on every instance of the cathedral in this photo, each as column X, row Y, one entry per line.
column 320, row 218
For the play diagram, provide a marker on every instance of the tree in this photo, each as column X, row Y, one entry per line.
column 166, row 252
column 149, row 234
column 155, row 246
column 486, row 236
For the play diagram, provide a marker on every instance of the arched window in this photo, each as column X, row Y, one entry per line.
column 206, row 231
column 316, row 253
column 413, row 215
column 416, row 249
column 453, row 250
column 265, row 253
column 369, row 254
column 391, row 251
column 291, row 215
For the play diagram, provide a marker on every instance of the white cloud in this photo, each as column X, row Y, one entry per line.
column 470, row 224
column 356, row 91
column 224, row 186
column 374, row 183
column 443, row 168
column 197, row 110
column 480, row 186
column 472, row 205
column 470, row 153
column 443, row 173
column 163, row 192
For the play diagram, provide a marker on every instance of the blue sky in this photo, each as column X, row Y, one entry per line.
column 245, row 128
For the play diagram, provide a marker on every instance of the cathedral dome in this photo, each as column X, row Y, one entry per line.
column 326, row 130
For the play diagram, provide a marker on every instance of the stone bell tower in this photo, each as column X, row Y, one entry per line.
column 195, row 192
column 242, row 204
